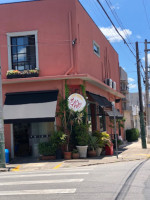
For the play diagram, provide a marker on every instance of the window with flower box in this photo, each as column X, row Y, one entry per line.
column 22, row 50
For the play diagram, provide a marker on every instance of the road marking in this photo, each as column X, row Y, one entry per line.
column 43, row 181
column 57, row 166
column 27, row 192
column 16, row 168
column 36, row 175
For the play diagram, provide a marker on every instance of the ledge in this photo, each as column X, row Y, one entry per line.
column 84, row 77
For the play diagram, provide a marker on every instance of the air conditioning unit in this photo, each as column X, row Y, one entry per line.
column 108, row 81
column 114, row 85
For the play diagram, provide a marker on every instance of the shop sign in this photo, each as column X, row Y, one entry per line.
column 76, row 102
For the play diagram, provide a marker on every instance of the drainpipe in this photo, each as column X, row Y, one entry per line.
column 71, row 48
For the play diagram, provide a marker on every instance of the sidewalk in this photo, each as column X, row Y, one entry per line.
column 128, row 152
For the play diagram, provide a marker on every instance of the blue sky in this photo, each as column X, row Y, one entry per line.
column 135, row 19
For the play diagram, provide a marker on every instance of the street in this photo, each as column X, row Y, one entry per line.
column 123, row 180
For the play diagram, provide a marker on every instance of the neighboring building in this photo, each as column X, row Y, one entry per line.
column 125, row 101
column 60, row 39
column 134, row 104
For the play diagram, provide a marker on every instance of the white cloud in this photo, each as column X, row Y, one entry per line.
column 112, row 35
column 148, row 56
column 115, row 7
column 132, row 86
column 131, row 80
column 138, row 37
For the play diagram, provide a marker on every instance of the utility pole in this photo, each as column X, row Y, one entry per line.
column 143, row 138
column 147, row 93
column 2, row 141
column 146, row 85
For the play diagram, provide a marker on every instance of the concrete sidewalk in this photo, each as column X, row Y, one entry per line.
column 128, row 152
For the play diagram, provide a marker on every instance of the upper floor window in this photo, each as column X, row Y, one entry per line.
column 96, row 48
column 22, row 50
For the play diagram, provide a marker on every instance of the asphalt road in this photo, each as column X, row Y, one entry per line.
column 116, row 181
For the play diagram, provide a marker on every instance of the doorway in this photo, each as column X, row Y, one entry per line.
column 21, row 139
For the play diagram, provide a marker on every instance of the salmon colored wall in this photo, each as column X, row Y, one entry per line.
column 51, row 20
column 105, row 66
column 58, row 22
column 7, row 137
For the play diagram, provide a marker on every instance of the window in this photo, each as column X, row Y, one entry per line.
column 96, row 49
column 22, row 50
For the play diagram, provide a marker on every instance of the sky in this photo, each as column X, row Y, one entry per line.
column 132, row 20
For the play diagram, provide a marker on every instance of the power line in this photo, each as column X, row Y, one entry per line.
column 115, row 28
column 119, row 21
column 146, row 14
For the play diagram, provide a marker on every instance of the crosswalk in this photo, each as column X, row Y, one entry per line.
column 62, row 181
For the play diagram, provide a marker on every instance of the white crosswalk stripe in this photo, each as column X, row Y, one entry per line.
column 61, row 181
column 43, row 181
column 25, row 192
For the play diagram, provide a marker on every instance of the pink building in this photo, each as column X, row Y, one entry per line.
column 59, row 39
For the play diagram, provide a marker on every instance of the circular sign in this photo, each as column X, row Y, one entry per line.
column 76, row 102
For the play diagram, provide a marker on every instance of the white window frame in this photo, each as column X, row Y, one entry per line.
column 18, row 34
column 95, row 44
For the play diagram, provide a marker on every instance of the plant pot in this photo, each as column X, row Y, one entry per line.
column 82, row 151
column 109, row 150
column 75, row 155
column 98, row 151
column 67, row 155
column 48, row 157
column 92, row 153
column 59, row 154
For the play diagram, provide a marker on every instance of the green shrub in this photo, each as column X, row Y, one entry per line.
column 82, row 135
column 47, row 149
column 132, row 134
column 103, row 138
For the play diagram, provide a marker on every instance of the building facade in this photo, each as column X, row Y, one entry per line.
column 59, row 40
column 126, row 108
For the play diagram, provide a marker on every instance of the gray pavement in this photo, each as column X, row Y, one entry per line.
column 127, row 152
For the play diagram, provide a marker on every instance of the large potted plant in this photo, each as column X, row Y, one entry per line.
column 58, row 138
column 103, row 140
column 82, row 137
column 92, row 146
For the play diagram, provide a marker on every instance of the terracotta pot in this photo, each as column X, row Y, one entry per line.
column 92, row 153
column 67, row 155
column 48, row 157
column 75, row 155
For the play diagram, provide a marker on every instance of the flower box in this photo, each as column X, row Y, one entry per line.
column 22, row 74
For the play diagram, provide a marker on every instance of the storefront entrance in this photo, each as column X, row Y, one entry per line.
column 27, row 136
column 21, row 139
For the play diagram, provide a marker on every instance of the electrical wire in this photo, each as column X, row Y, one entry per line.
column 114, row 13
column 115, row 28
column 146, row 14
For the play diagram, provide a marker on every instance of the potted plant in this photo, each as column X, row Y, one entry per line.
column 82, row 137
column 22, row 74
column 75, row 154
column 92, row 145
column 58, row 138
column 67, row 153
column 47, row 151
column 103, row 140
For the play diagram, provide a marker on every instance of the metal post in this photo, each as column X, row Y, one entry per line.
column 143, row 139
column 113, row 108
column 2, row 141
column 146, row 85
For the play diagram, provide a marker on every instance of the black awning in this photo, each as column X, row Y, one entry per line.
column 102, row 101
column 115, row 112
column 34, row 106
